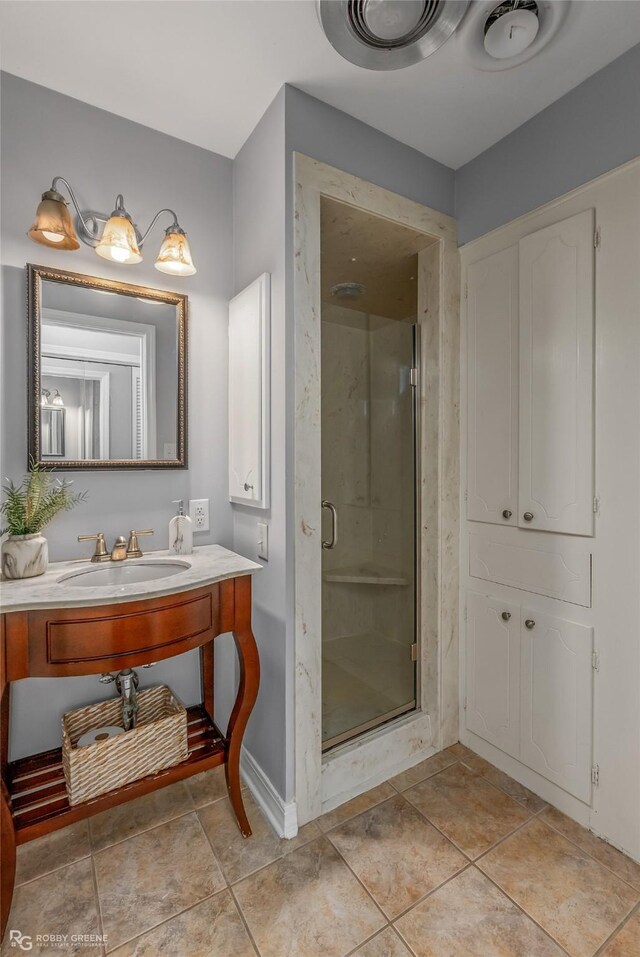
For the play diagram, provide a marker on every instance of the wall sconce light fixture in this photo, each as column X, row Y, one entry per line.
column 115, row 238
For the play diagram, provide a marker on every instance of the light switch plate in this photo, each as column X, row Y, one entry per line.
column 263, row 541
column 199, row 514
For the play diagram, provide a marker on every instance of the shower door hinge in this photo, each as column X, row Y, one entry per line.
column 596, row 239
column 595, row 775
column 413, row 377
column 595, row 660
column 414, row 651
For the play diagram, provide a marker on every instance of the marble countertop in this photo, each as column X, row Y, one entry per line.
column 208, row 564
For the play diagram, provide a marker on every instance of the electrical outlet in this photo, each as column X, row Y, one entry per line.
column 199, row 514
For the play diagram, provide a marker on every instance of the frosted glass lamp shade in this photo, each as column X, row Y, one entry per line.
column 53, row 225
column 174, row 257
column 119, row 242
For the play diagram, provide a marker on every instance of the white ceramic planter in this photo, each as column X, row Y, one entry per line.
column 25, row 556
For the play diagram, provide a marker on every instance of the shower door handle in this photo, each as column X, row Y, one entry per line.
column 334, row 524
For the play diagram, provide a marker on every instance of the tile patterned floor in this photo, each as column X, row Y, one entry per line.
column 449, row 859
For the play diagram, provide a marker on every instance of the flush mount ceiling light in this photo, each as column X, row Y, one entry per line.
column 501, row 36
column 115, row 238
column 511, row 28
column 389, row 34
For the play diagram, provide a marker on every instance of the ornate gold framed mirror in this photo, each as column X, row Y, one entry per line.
column 107, row 373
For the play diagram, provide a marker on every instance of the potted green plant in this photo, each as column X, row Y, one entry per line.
column 27, row 509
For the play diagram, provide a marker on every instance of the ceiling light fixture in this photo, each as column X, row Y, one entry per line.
column 115, row 238
column 511, row 29
column 502, row 35
column 389, row 34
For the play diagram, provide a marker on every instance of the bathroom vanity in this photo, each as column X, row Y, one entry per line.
column 62, row 624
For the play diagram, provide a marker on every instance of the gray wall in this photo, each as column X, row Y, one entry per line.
column 44, row 134
column 592, row 129
column 259, row 246
column 334, row 137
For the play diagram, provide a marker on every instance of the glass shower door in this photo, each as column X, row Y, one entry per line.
column 369, row 516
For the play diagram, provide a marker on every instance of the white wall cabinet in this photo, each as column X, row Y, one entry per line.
column 556, row 690
column 249, row 394
column 529, row 688
column 492, row 395
column 493, row 671
column 530, row 369
column 556, row 376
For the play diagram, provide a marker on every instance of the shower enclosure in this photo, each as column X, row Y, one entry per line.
column 368, row 427
column 375, row 617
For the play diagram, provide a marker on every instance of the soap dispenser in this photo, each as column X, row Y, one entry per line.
column 180, row 532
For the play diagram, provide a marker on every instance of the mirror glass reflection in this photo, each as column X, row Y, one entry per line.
column 109, row 376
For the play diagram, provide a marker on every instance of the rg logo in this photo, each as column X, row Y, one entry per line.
column 23, row 941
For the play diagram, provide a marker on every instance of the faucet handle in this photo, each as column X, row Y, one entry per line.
column 100, row 553
column 133, row 548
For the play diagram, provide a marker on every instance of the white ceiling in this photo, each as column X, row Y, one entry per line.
column 206, row 70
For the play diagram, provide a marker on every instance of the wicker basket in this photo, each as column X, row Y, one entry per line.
column 158, row 741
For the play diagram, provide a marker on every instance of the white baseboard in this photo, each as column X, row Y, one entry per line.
column 283, row 816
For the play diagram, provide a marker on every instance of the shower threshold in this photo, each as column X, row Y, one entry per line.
column 368, row 726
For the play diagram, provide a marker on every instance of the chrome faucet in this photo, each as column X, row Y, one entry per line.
column 126, row 683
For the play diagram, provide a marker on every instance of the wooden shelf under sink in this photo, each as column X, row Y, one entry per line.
column 39, row 797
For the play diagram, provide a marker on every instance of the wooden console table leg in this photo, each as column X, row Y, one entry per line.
column 246, row 697
column 8, row 855
column 206, row 673
column 7, row 830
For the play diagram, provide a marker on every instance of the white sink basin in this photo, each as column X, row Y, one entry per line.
column 125, row 573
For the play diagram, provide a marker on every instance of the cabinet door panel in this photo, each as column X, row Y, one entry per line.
column 493, row 671
column 556, row 376
column 492, row 387
column 556, row 689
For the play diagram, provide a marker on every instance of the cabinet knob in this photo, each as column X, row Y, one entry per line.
column 506, row 615
column 507, row 513
column 528, row 516
column 529, row 623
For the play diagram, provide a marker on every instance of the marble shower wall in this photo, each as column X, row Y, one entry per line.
column 367, row 470
column 393, row 475
column 346, row 452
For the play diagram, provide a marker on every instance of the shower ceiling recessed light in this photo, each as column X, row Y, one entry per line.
column 348, row 290
column 389, row 34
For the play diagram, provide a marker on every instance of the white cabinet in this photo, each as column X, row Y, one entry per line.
column 556, row 376
column 529, row 688
column 493, row 671
column 556, row 696
column 249, row 415
column 530, row 369
column 492, row 394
